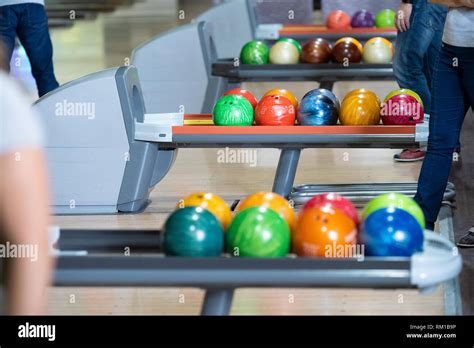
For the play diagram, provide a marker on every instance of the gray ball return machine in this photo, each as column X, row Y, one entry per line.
column 95, row 259
column 98, row 164
column 174, row 69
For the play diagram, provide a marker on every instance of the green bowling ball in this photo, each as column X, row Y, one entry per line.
column 255, row 52
column 395, row 200
column 193, row 232
column 385, row 19
column 258, row 232
column 293, row 42
column 233, row 110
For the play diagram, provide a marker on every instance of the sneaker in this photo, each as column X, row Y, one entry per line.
column 457, row 155
column 410, row 155
column 467, row 241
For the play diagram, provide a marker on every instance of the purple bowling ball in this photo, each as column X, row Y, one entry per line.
column 363, row 19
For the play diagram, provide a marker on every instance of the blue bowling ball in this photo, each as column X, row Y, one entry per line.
column 318, row 107
column 193, row 232
column 330, row 95
column 391, row 232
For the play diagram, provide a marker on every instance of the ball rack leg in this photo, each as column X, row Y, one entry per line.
column 286, row 172
column 217, row 302
column 329, row 85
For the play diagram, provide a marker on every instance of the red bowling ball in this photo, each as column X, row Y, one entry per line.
column 334, row 200
column 402, row 109
column 275, row 110
column 244, row 93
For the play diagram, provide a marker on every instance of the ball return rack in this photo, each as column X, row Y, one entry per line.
column 94, row 258
column 327, row 74
column 303, row 32
column 291, row 140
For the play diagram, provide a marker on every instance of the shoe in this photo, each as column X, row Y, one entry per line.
column 410, row 155
column 457, row 154
column 468, row 240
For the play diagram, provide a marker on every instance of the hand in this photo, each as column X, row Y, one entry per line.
column 403, row 17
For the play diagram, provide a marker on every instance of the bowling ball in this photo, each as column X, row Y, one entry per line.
column 385, row 19
column 258, row 232
column 254, row 52
column 284, row 52
column 391, row 232
column 244, row 93
column 285, row 93
column 330, row 95
column 273, row 201
column 336, row 201
column 316, row 51
column 211, row 202
column 293, row 42
column 322, row 230
column 360, row 107
column 402, row 109
column 404, row 91
column 363, row 19
column 318, row 107
column 338, row 20
column 275, row 110
column 395, row 200
column 193, row 232
column 347, row 50
column 378, row 50
column 233, row 110
column 359, row 91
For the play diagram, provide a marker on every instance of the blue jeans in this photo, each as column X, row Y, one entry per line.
column 453, row 94
column 30, row 23
column 417, row 49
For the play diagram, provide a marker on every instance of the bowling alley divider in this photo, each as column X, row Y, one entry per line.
column 139, row 331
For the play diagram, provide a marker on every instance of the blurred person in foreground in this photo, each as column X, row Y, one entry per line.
column 24, row 203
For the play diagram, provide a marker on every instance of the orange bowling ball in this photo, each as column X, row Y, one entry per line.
column 285, row 93
column 215, row 204
column 360, row 107
column 324, row 231
column 338, row 20
column 273, row 201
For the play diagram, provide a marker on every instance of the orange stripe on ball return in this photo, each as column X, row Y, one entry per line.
column 211, row 129
column 318, row 29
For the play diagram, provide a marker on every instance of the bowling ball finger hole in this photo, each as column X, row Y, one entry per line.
column 325, row 221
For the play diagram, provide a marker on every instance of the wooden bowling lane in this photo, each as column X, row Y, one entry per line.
column 186, row 301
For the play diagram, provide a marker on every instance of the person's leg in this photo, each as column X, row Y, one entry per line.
column 410, row 50
column 410, row 64
column 436, row 19
column 8, row 24
column 34, row 35
column 448, row 111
